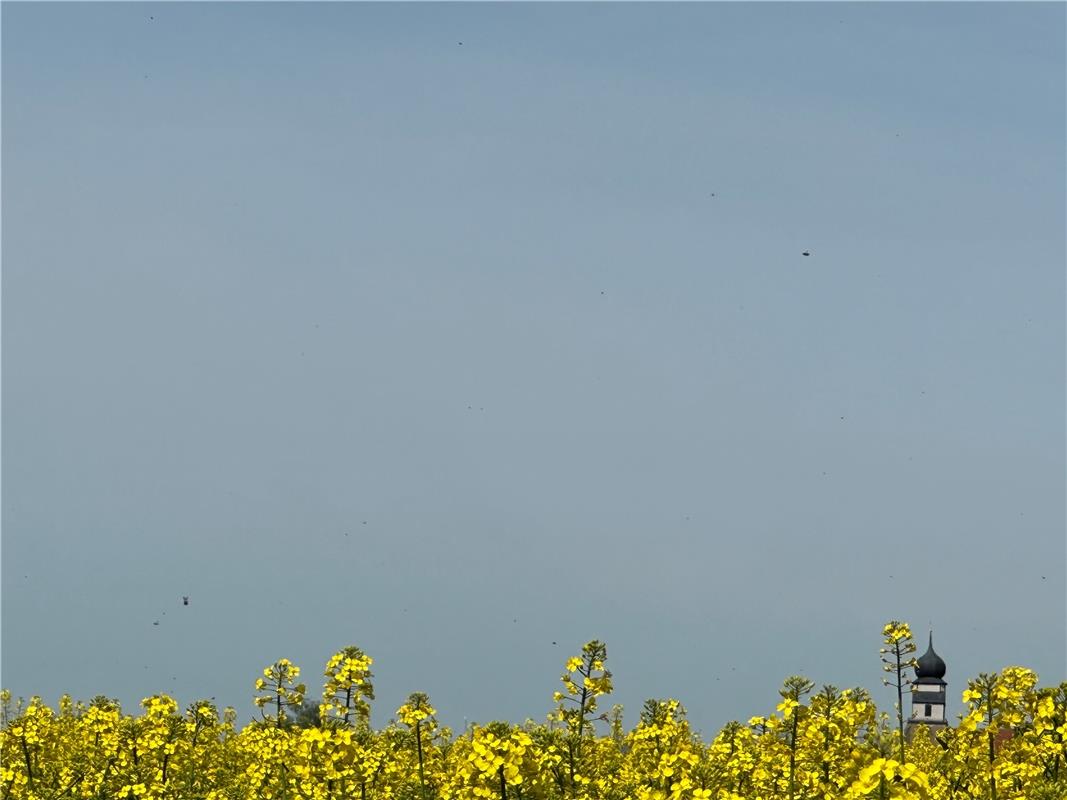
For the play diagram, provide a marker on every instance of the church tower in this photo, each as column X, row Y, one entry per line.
column 928, row 693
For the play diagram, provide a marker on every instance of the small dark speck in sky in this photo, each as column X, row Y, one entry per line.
column 185, row 599
column 156, row 622
column 806, row 253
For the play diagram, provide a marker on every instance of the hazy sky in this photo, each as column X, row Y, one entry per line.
column 457, row 331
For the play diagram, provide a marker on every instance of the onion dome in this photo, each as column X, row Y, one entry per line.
column 930, row 664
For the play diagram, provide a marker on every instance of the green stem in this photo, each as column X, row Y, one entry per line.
column 418, row 746
column 900, row 703
column 26, row 757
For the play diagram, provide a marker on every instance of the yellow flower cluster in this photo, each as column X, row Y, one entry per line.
column 819, row 744
column 348, row 687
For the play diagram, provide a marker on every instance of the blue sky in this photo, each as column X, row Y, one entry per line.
column 455, row 331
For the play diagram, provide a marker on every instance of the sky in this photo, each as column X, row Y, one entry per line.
column 466, row 334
